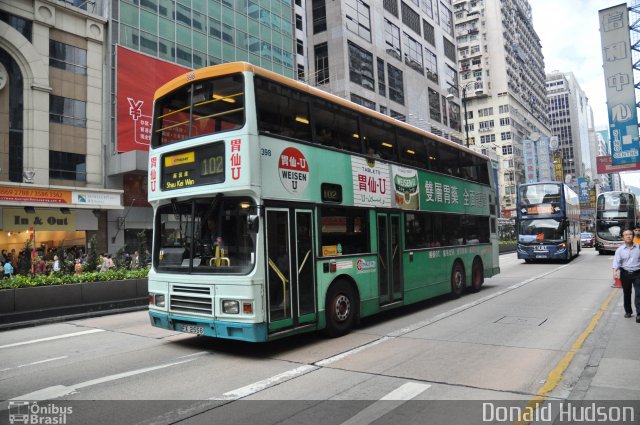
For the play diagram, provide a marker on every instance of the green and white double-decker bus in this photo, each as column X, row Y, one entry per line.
column 282, row 209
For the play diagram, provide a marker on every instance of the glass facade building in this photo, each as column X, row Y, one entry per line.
column 197, row 33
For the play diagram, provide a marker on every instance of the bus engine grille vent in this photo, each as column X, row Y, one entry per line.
column 186, row 304
column 192, row 289
column 191, row 299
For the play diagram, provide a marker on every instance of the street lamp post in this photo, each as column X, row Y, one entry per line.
column 464, row 105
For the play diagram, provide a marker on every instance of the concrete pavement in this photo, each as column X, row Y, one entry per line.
column 613, row 368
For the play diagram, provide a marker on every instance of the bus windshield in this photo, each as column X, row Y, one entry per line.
column 548, row 230
column 203, row 108
column 540, row 199
column 206, row 235
column 615, row 205
column 611, row 230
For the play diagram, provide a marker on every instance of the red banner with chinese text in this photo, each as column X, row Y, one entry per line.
column 138, row 78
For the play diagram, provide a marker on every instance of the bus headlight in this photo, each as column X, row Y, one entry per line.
column 230, row 307
column 156, row 300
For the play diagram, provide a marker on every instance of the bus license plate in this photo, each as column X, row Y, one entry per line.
column 192, row 329
column 541, row 256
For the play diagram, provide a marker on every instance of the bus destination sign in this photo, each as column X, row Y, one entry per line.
column 540, row 209
column 193, row 167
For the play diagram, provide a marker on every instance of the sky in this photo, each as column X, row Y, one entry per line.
column 569, row 32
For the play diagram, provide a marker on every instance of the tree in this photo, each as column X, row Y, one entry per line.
column 24, row 266
column 92, row 259
column 142, row 247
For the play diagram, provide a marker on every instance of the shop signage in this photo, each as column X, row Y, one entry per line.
column 30, row 196
column 96, row 198
column 41, row 219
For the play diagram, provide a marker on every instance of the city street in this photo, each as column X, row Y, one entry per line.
column 504, row 343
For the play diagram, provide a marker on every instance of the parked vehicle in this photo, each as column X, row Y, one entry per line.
column 587, row 240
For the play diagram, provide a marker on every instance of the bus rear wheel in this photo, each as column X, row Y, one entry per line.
column 340, row 309
column 457, row 280
column 477, row 275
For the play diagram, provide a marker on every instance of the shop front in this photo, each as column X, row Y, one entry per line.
column 55, row 218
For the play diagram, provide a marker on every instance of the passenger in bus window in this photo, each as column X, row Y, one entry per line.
column 636, row 236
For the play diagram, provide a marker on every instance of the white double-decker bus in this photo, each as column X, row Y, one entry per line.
column 280, row 209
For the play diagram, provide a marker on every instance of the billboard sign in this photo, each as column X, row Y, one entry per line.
column 604, row 165
column 618, row 74
column 138, row 78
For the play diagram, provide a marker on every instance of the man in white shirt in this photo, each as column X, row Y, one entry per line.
column 626, row 267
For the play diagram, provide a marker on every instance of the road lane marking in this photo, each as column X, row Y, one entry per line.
column 51, row 338
column 266, row 383
column 386, row 404
column 34, row 363
column 555, row 376
column 58, row 391
column 328, row 361
column 302, row 370
column 449, row 313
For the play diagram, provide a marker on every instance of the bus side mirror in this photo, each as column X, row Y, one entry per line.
column 253, row 223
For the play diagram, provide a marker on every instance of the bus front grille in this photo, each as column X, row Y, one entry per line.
column 192, row 289
column 187, row 304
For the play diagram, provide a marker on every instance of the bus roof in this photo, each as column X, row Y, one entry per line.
column 237, row 67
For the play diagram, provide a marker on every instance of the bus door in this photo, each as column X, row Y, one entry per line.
column 389, row 258
column 290, row 267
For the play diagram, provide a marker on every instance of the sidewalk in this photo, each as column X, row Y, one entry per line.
column 613, row 369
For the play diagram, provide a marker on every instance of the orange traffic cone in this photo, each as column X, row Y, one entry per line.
column 617, row 283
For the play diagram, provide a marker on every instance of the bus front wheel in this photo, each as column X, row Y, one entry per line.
column 457, row 280
column 340, row 309
column 477, row 275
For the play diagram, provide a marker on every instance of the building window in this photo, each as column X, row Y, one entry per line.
column 358, row 18
column 413, row 54
column 446, row 19
column 361, row 67
column 362, row 101
column 382, row 85
column 411, row 18
column 507, row 150
column 298, row 22
column 434, row 106
column 301, row 73
column 392, row 39
column 452, row 79
column 505, row 135
column 485, row 112
column 319, row 16
column 300, row 47
column 321, row 53
column 503, row 109
column 383, row 109
column 449, row 49
column 431, row 65
column 69, row 58
column 398, row 116
column 21, row 25
column 67, row 166
column 391, row 6
column 486, row 125
column 63, row 110
column 396, row 86
column 427, row 7
column 505, row 121
column 429, row 33
column 489, row 138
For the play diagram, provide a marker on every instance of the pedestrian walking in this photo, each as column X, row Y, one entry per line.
column 626, row 267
